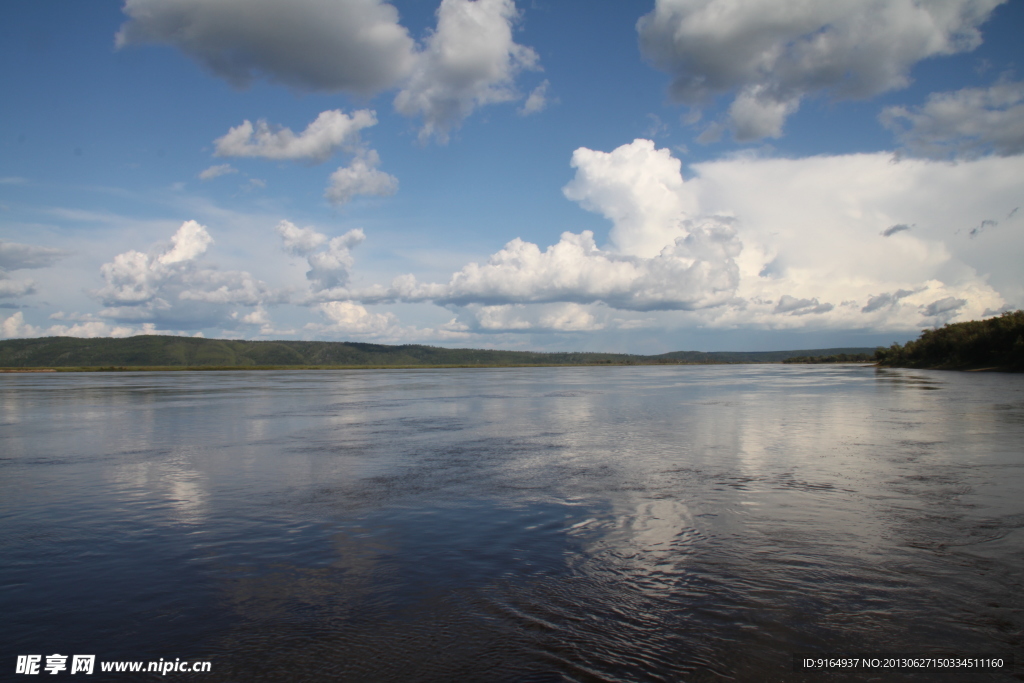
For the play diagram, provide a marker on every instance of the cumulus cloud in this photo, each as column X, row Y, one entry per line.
column 356, row 45
column 217, row 171
column 15, row 327
column 559, row 317
column 330, row 131
column 470, row 60
column 962, row 124
column 639, row 189
column 328, row 268
column 259, row 317
column 171, row 285
column 83, row 326
column 780, row 243
column 772, row 54
column 757, row 113
column 11, row 289
column 300, row 241
column 835, row 230
column 188, row 242
column 696, row 271
column 659, row 257
column 348, row 318
column 360, row 177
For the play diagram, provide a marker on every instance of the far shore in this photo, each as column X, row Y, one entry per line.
column 28, row 370
column 605, row 364
column 232, row 368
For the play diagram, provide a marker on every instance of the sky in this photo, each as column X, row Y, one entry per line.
column 555, row 175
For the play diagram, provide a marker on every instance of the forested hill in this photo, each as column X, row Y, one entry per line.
column 179, row 352
column 996, row 343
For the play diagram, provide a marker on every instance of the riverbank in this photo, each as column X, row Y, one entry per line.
column 977, row 345
column 160, row 352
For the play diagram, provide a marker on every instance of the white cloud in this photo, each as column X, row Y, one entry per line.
column 329, row 268
column 537, row 101
column 696, row 271
column 773, row 53
column 834, row 231
column 217, row 171
column 188, row 242
column 470, row 60
column 259, row 317
column 256, row 317
column 639, row 189
column 559, row 317
column 171, row 286
column 360, row 177
column 330, row 131
column 300, row 241
column 966, row 123
column 15, row 327
column 355, row 45
column 97, row 329
column 345, row 317
column 819, row 243
column 11, row 289
column 232, row 287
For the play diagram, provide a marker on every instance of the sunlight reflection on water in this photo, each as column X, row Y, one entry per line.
column 513, row 524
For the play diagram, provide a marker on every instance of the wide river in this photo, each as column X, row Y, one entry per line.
column 526, row 524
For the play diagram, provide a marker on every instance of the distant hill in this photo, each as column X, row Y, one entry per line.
column 157, row 351
column 996, row 343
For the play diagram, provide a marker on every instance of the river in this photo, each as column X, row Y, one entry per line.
column 696, row 523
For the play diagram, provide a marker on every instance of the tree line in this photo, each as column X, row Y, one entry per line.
column 991, row 343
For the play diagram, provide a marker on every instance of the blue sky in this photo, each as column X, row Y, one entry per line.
column 552, row 175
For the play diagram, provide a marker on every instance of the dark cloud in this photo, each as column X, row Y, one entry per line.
column 793, row 306
column 966, row 123
column 943, row 307
column 981, row 228
column 356, row 45
column 893, row 229
column 882, row 300
column 14, row 256
column 773, row 54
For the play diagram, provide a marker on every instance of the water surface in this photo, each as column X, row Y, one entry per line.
column 524, row 524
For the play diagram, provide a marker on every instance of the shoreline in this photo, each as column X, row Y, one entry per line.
column 28, row 370
column 236, row 368
column 261, row 368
